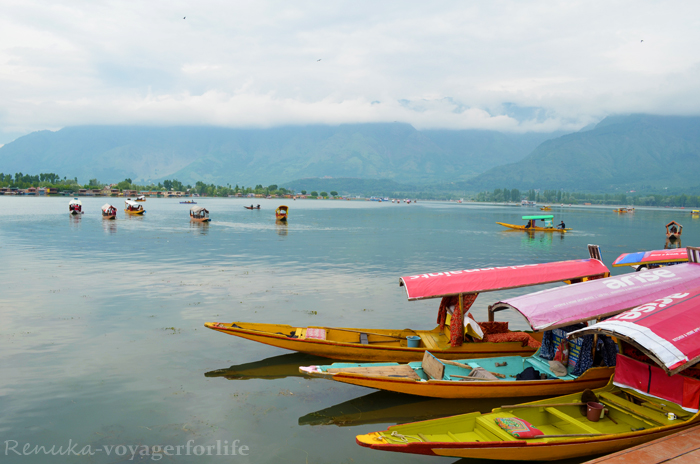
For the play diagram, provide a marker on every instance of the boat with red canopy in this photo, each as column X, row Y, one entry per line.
column 651, row 259
column 554, row 311
column 458, row 290
column 640, row 404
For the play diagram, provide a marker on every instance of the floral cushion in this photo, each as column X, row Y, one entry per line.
column 517, row 427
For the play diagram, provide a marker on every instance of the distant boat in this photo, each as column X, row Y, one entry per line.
column 252, row 207
column 109, row 211
column 131, row 207
column 532, row 220
column 281, row 213
column 141, row 198
column 75, row 206
column 199, row 214
column 189, row 202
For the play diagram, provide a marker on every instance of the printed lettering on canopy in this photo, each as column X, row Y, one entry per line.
column 667, row 329
column 558, row 307
column 439, row 284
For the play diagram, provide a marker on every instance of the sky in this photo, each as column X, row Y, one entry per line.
column 510, row 66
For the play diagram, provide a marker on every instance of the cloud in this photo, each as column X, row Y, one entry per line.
column 445, row 64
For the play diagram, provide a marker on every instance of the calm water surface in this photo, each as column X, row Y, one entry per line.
column 101, row 322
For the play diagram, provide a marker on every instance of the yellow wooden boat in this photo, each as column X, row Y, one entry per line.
column 695, row 212
column 131, row 207
column 645, row 400
column 532, row 224
column 566, row 433
column 546, row 208
column 458, row 290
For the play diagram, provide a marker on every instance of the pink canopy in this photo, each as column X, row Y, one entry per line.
column 666, row 329
column 448, row 283
column 677, row 255
column 562, row 306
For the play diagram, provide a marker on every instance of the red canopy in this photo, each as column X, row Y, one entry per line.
column 440, row 284
column 667, row 329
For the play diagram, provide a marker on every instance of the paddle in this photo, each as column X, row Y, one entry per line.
column 516, row 406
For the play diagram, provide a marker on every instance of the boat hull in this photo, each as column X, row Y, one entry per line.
column 559, row 421
column 593, row 378
column 135, row 213
column 382, row 346
column 200, row 219
column 109, row 216
column 538, row 229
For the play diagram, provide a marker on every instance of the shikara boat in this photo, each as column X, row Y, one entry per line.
column 498, row 376
column 281, row 213
column 199, row 214
column 532, row 224
column 140, row 198
column 109, row 211
column 640, row 404
column 75, row 206
column 695, row 212
column 458, row 290
column 131, row 207
column 252, row 207
column 673, row 230
column 188, row 202
column 652, row 259
column 546, row 208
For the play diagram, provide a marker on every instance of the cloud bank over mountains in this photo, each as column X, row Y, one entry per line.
column 505, row 65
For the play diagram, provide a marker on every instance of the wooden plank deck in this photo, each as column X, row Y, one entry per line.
column 681, row 447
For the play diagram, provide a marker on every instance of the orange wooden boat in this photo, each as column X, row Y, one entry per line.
column 281, row 213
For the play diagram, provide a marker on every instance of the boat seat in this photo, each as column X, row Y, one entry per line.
column 582, row 426
column 542, row 365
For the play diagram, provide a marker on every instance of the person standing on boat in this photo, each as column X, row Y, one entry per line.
column 561, row 225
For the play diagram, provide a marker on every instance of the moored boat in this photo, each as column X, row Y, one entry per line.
column 75, row 206
column 131, row 207
column 109, row 211
column 652, row 259
column 509, row 376
column 281, row 213
column 532, row 224
column 457, row 289
column 641, row 402
column 199, row 214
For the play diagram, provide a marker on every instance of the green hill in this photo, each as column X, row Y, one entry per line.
column 392, row 151
column 637, row 152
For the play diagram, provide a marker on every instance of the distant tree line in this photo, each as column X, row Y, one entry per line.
column 574, row 198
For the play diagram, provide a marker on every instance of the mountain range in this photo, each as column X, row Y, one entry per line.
column 264, row 156
column 621, row 153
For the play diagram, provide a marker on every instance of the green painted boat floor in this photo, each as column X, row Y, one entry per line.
column 551, row 420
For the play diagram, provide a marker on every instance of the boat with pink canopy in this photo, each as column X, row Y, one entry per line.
column 653, row 258
column 452, row 338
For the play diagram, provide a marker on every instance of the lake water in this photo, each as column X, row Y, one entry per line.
column 101, row 322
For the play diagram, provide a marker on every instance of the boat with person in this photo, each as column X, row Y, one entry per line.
column 141, row 198
column 647, row 398
column 673, row 230
column 695, row 213
column 532, row 224
column 281, row 213
column 629, row 209
column 588, row 363
column 109, row 211
column 457, row 290
column 199, row 214
column 546, row 208
column 75, row 206
column 133, row 208
column 252, row 207
column 188, row 202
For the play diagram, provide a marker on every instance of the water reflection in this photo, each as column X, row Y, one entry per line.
column 201, row 227
column 538, row 241
column 75, row 220
column 281, row 227
column 386, row 407
column 276, row 367
column 109, row 226
column 672, row 243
